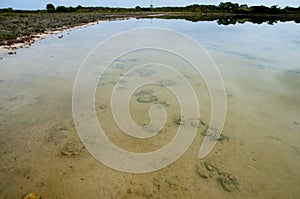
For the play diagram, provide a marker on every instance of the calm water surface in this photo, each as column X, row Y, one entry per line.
column 258, row 157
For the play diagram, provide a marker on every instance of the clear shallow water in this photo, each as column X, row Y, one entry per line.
column 41, row 151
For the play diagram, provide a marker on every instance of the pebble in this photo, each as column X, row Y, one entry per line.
column 12, row 53
column 32, row 195
column 203, row 175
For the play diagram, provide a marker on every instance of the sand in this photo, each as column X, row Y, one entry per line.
column 41, row 151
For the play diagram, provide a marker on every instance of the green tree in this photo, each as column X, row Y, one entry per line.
column 50, row 7
column 244, row 6
column 275, row 9
column 228, row 6
column 137, row 8
column 62, row 9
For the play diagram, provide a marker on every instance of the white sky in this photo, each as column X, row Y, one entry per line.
column 41, row 4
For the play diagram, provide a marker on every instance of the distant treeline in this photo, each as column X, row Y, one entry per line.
column 224, row 13
column 228, row 7
column 234, row 19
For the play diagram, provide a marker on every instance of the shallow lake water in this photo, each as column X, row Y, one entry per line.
column 258, row 155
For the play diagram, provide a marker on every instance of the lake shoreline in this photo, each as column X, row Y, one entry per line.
column 9, row 46
column 34, row 26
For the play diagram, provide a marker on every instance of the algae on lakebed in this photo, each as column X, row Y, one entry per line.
column 227, row 181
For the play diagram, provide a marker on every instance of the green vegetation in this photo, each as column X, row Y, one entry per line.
column 232, row 8
column 50, row 8
column 227, row 7
column 232, row 13
column 16, row 24
column 227, row 19
column 18, row 27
